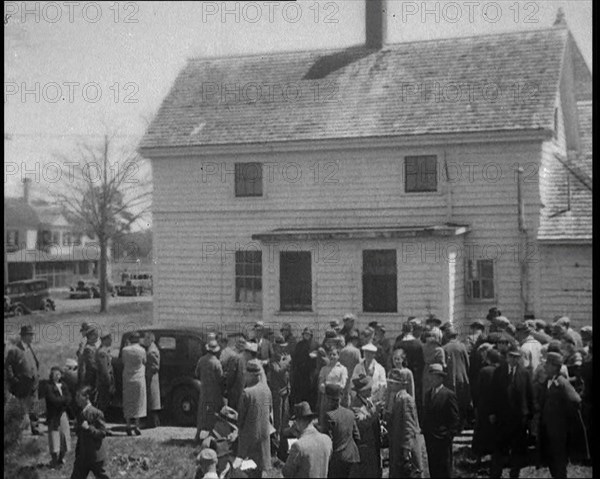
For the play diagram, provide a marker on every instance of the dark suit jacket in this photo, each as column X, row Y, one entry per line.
column 343, row 430
column 511, row 403
column 440, row 414
column 90, row 447
column 56, row 404
column 21, row 373
column 309, row 456
column 414, row 356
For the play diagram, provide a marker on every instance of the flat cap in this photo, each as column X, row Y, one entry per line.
column 477, row 325
column 207, row 456
column 369, row 347
column 433, row 320
column 436, row 368
column 555, row 359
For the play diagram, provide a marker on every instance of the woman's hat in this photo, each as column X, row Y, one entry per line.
column 302, row 410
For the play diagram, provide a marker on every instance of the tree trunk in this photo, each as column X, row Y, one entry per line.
column 103, row 278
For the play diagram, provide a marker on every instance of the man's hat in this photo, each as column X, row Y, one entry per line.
column 348, row 316
column 207, row 456
column 84, row 327
column 279, row 340
column 540, row 324
column 253, row 366
column 330, row 334
column 555, row 359
column 369, row 347
column 373, row 324
column 433, row 320
column 259, row 325
column 415, row 322
column 526, row 326
column 563, row 321
column 302, row 410
column 213, row 346
column 477, row 325
column 503, row 320
column 586, row 332
column 493, row 313
column 445, row 326
column 285, row 327
column 133, row 337
column 333, row 390
column 25, row 330
column 362, row 382
column 436, row 368
column 334, row 323
column 251, row 346
column 515, row 353
column 105, row 336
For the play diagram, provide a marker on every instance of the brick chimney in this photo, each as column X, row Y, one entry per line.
column 375, row 12
column 26, row 189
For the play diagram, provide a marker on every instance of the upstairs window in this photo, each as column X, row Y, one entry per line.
column 12, row 240
column 420, row 174
column 248, row 179
column 295, row 281
column 380, row 279
column 480, row 280
column 248, row 277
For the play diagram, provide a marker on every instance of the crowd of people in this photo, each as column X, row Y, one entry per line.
column 329, row 409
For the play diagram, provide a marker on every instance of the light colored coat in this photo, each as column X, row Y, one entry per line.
column 532, row 353
column 377, row 372
column 309, row 455
column 152, row 377
column 254, row 413
column 134, row 381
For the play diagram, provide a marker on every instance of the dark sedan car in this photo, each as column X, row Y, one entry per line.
column 23, row 297
column 88, row 289
column 180, row 349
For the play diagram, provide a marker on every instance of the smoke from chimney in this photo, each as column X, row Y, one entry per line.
column 375, row 11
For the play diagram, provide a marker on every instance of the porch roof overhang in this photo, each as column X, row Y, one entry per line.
column 361, row 232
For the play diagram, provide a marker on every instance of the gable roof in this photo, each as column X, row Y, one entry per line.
column 457, row 85
column 18, row 213
column 561, row 178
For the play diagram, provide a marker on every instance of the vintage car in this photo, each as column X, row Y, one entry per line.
column 135, row 284
column 88, row 289
column 23, row 297
column 180, row 349
column 128, row 289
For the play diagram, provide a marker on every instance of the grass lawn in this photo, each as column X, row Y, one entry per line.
column 164, row 455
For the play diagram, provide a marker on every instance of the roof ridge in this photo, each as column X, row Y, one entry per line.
column 361, row 46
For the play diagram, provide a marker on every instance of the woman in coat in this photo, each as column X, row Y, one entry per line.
column 152, row 380
column 432, row 353
column 58, row 399
column 134, row 383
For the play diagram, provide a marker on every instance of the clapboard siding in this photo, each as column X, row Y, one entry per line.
column 566, row 283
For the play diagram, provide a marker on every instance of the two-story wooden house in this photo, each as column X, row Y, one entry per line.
column 388, row 180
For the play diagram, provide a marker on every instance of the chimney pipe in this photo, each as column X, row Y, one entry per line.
column 26, row 189
column 375, row 23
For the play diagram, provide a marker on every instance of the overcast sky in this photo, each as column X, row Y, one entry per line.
column 131, row 52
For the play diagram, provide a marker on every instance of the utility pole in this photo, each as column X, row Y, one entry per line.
column 7, row 137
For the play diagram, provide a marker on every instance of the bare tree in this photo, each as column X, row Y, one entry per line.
column 106, row 193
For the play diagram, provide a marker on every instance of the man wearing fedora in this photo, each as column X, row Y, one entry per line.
column 531, row 348
column 369, row 366
column 105, row 378
column 278, row 379
column 265, row 348
column 457, row 367
column 290, row 339
column 254, row 414
column 21, row 368
column 341, row 426
column 309, row 456
column 441, row 422
column 210, row 372
column 304, row 373
column 234, row 371
column 561, row 431
column 83, row 331
column 87, row 361
column 511, row 411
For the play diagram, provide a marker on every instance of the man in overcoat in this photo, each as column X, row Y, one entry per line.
column 309, row 456
column 304, row 370
column 87, row 361
column 265, row 348
column 254, row 413
column 105, row 377
column 341, row 426
column 410, row 343
column 561, row 430
column 457, row 368
column 21, row 368
column 278, row 379
column 441, row 422
column 511, row 411
column 152, row 380
column 234, row 371
column 210, row 372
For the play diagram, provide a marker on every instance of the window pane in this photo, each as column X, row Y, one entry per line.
column 420, row 173
column 380, row 281
column 166, row 342
column 487, row 289
column 487, row 268
column 248, row 271
column 248, row 179
column 476, row 290
column 295, row 281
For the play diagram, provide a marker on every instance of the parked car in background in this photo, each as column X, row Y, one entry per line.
column 128, row 289
column 23, row 297
column 141, row 280
column 180, row 349
column 88, row 289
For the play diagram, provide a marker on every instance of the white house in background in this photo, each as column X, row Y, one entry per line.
column 376, row 189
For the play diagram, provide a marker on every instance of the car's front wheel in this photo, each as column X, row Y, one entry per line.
column 184, row 405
